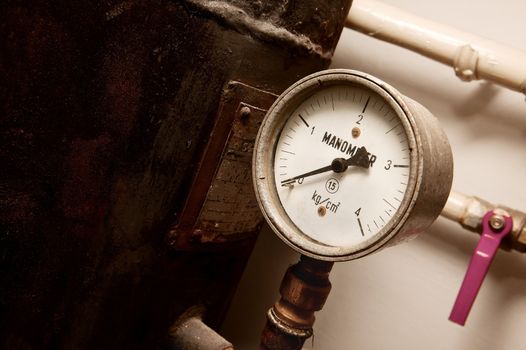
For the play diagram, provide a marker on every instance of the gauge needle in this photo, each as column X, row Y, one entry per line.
column 338, row 165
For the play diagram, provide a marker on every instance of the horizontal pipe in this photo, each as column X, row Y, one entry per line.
column 471, row 57
column 194, row 334
column 469, row 211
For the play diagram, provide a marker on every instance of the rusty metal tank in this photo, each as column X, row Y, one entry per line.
column 125, row 139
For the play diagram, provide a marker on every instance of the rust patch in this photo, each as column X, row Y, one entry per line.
column 221, row 205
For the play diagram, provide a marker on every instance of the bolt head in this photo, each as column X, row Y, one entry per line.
column 497, row 222
column 245, row 112
column 339, row 165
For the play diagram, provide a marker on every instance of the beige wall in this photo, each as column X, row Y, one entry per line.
column 401, row 297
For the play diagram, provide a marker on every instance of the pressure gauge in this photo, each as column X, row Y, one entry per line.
column 344, row 165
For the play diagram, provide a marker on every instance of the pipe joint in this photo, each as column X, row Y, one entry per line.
column 465, row 63
column 469, row 211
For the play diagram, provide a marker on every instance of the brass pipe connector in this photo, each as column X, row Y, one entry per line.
column 304, row 290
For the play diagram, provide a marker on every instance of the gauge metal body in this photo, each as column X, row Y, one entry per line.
column 344, row 164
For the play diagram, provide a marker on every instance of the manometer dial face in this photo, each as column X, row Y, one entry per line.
column 341, row 165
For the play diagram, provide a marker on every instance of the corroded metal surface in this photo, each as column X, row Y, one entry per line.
column 106, row 107
column 221, row 205
column 191, row 333
column 304, row 24
column 304, row 290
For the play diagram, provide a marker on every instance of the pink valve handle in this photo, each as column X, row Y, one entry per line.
column 478, row 266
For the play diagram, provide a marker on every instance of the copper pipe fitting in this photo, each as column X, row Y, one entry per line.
column 304, row 290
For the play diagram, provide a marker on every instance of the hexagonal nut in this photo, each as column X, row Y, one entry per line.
column 303, row 294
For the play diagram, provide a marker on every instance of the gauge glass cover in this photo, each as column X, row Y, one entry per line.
column 336, row 165
column 349, row 207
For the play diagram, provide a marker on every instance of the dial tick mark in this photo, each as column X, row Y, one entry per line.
column 299, row 115
column 366, row 103
column 361, row 228
column 394, row 127
column 392, row 206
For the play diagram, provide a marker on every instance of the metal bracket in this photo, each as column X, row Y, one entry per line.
column 221, row 205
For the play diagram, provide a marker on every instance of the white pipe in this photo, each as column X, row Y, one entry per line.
column 455, row 207
column 466, row 210
column 470, row 56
